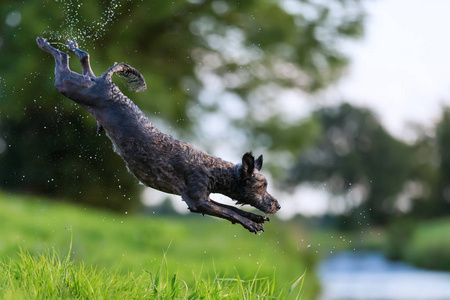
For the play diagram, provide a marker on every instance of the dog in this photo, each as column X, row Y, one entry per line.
column 157, row 159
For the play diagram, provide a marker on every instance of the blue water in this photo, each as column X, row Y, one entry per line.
column 369, row 275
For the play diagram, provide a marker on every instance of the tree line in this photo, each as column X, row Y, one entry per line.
column 393, row 177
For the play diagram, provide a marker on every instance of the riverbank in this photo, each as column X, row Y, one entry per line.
column 424, row 244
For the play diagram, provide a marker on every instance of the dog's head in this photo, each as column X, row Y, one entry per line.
column 252, row 185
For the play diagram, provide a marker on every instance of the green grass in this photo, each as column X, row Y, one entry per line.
column 47, row 276
column 123, row 256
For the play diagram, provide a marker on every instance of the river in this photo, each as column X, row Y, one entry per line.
column 369, row 275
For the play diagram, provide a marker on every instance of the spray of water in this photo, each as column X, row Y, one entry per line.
column 2, row 86
column 72, row 27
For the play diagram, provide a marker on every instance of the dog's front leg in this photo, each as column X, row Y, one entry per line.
column 208, row 207
column 254, row 217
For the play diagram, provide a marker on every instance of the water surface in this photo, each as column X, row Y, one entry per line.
column 369, row 275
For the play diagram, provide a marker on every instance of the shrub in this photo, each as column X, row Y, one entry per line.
column 429, row 246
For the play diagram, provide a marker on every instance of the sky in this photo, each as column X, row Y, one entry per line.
column 400, row 69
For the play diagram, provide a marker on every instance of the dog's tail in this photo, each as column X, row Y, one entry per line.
column 134, row 80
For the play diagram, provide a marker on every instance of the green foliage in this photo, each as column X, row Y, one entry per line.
column 352, row 154
column 199, row 250
column 356, row 152
column 399, row 234
column 441, row 192
column 429, row 245
column 195, row 55
column 284, row 141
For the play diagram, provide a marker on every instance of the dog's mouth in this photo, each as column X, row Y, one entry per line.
column 275, row 207
column 272, row 207
column 267, row 205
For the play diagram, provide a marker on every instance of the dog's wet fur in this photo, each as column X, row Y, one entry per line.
column 155, row 158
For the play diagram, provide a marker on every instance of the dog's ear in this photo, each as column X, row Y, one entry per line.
column 248, row 165
column 259, row 163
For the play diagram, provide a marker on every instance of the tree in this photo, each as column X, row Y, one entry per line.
column 440, row 202
column 196, row 55
column 356, row 154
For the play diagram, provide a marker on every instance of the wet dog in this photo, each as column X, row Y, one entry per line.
column 158, row 160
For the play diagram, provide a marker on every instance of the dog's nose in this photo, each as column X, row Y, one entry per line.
column 278, row 206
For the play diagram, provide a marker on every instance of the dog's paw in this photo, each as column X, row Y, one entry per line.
column 42, row 42
column 71, row 45
column 253, row 227
column 45, row 45
column 261, row 219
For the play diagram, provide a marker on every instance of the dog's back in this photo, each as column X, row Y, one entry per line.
column 157, row 159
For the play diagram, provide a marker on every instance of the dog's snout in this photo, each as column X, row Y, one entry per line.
column 274, row 206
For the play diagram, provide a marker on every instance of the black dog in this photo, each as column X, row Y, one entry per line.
column 157, row 159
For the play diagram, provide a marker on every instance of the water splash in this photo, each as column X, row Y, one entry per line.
column 75, row 25
column 2, row 86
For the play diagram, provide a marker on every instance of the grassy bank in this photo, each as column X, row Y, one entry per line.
column 429, row 245
column 425, row 244
column 196, row 249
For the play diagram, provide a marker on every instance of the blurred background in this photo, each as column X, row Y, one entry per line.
column 347, row 100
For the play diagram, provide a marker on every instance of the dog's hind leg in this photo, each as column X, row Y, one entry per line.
column 62, row 70
column 61, row 58
column 69, row 83
column 83, row 56
column 86, row 69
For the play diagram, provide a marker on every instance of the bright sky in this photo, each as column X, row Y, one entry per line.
column 401, row 69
